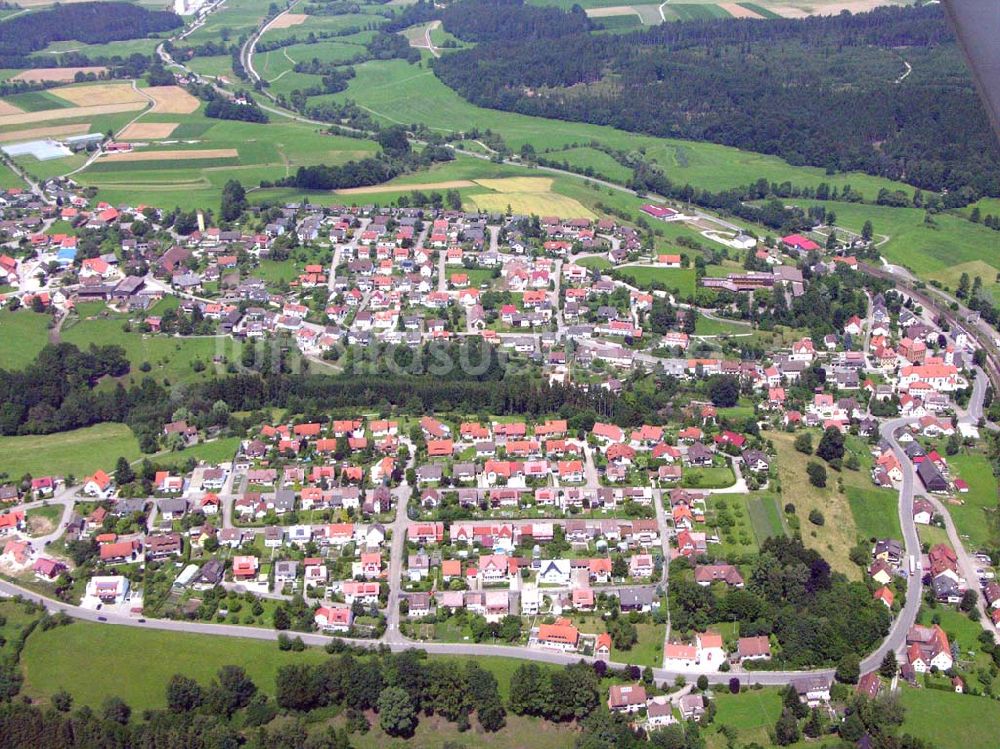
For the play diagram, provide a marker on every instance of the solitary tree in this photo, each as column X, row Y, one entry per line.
column 889, row 665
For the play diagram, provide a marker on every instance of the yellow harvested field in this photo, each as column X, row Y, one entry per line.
column 173, row 155
column 44, row 132
column 70, row 113
column 287, row 20
column 62, row 75
column 172, row 99
column 148, row 130
column 738, row 11
column 517, row 184
column 100, row 93
column 538, row 203
column 615, row 10
column 374, row 189
column 8, row 108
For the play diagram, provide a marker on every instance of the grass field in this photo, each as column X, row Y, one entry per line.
column 972, row 518
column 216, row 451
column 170, row 359
column 752, row 713
column 875, row 512
column 682, row 280
column 838, row 534
column 708, row 326
column 16, row 620
column 941, row 252
column 77, row 452
column 22, row 335
column 765, row 516
column 144, row 661
column 971, row 721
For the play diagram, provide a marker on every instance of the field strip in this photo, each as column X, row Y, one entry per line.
column 615, row 10
column 373, row 189
column 517, row 184
column 70, row 114
column 204, row 153
column 738, row 11
column 156, row 130
column 203, row 184
column 287, row 20
column 62, row 75
column 44, row 132
column 8, row 108
column 100, row 93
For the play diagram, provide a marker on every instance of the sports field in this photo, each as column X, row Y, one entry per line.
column 77, row 452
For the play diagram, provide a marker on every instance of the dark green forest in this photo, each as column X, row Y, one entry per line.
column 91, row 23
column 821, row 91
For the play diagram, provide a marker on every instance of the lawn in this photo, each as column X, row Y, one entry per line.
column 709, row 326
column 710, row 477
column 678, row 280
column 875, row 512
column 975, row 518
column 752, row 713
column 970, row 721
column 595, row 261
column 22, row 335
column 648, row 651
column 77, row 452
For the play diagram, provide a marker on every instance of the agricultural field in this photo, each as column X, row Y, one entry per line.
column 77, row 452
column 98, row 677
column 263, row 152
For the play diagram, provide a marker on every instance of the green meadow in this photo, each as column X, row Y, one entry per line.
column 77, row 452
column 22, row 335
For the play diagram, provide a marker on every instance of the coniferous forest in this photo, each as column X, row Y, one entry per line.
column 821, row 91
